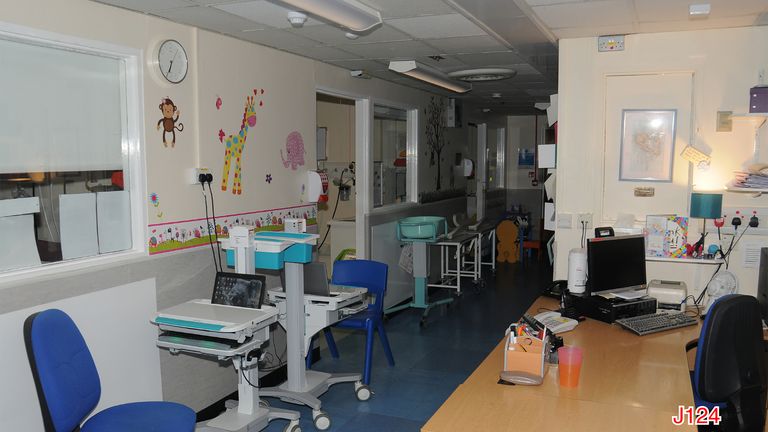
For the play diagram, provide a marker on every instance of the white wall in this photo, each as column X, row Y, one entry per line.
column 724, row 64
column 115, row 325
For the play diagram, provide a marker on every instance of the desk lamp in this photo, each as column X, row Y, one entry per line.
column 705, row 206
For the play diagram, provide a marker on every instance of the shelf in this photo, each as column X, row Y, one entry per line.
column 686, row 260
column 760, row 117
column 755, row 191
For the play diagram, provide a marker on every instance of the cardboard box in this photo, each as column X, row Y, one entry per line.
column 758, row 100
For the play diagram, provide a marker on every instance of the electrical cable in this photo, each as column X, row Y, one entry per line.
column 335, row 207
column 215, row 233
column 208, row 226
column 242, row 371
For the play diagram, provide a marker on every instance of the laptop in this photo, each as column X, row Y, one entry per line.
column 316, row 281
column 235, row 289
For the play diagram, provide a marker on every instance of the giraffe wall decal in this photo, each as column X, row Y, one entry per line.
column 234, row 144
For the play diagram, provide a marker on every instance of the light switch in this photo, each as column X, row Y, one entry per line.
column 564, row 220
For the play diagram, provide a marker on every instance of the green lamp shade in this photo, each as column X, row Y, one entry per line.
column 706, row 205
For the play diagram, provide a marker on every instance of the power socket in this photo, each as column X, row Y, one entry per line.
column 193, row 175
column 586, row 219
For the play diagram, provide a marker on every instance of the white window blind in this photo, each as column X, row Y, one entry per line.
column 60, row 110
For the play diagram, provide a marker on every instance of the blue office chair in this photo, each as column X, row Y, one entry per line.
column 373, row 276
column 730, row 367
column 68, row 385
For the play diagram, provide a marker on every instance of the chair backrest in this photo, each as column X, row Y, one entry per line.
column 363, row 274
column 731, row 363
column 66, row 378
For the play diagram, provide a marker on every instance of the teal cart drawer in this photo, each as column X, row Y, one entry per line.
column 270, row 260
column 299, row 253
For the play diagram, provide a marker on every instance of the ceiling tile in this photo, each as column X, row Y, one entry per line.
column 710, row 23
column 437, row 26
column 549, row 2
column 330, row 35
column 593, row 13
column 207, row 18
column 148, row 5
column 677, row 10
column 409, row 8
column 263, row 12
column 322, row 53
column 577, row 32
column 391, row 50
column 276, row 38
column 491, row 59
column 469, row 44
column 448, row 63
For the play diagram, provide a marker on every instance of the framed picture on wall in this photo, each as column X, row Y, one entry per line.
column 647, row 145
column 322, row 140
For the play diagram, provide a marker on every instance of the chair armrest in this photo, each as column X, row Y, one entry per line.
column 691, row 345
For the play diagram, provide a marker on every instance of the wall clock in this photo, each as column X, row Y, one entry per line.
column 173, row 61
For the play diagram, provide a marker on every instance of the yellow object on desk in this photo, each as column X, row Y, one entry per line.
column 628, row 383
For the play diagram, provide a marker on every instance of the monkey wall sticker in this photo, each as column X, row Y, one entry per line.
column 168, row 122
column 235, row 143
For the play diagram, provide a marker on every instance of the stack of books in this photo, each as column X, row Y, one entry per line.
column 756, row 177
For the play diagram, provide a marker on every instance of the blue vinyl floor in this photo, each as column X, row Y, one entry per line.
column 430, row 361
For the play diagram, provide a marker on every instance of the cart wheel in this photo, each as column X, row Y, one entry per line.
column 321, row 419
column 362, row 391
column 293, row 426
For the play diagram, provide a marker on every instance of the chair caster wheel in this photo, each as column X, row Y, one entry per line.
column 292, row 427
column 362, row 391
column 321, row 420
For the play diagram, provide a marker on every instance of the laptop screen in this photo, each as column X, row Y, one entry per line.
column 234, row 289
column 315, row 279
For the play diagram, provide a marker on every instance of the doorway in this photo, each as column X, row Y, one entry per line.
column 335, row 119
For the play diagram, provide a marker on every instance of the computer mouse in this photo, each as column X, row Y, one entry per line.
column 521, row 378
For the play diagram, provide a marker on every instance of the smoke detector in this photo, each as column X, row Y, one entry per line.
column 483, row 74
column 297, row 19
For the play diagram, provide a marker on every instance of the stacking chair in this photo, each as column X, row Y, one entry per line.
column 68, row 385
column 730, row 366
column 373, row 276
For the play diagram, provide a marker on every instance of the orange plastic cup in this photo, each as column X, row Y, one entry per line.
column 570, row 359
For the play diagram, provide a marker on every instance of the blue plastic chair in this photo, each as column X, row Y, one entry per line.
column 68, row 385
column 373, row 276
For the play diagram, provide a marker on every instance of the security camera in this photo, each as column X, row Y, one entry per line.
column 297, row 19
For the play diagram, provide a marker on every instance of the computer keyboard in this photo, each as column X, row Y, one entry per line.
column 647, row 324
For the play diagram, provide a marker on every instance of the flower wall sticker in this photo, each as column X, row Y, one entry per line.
column 218, row 102
column 269, row 178
column 154, row 199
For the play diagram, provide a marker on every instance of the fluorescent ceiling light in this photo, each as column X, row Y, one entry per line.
column 349, row 14
column 422, row 72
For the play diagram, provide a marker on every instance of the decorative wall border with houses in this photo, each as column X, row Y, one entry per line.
column 174, row 236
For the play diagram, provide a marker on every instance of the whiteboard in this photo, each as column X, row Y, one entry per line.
column 18, row 234
column 113, row 216
column 77, row 218
column 61, row 110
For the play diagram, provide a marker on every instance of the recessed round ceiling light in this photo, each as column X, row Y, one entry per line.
column 483, row 74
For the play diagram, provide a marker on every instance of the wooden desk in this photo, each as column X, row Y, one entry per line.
column 628, row 383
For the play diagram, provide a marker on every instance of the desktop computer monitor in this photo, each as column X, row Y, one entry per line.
column 615, row 264
column 762, row 284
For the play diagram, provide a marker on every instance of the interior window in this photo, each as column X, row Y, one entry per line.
column 390, row 142
column 63, row 154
